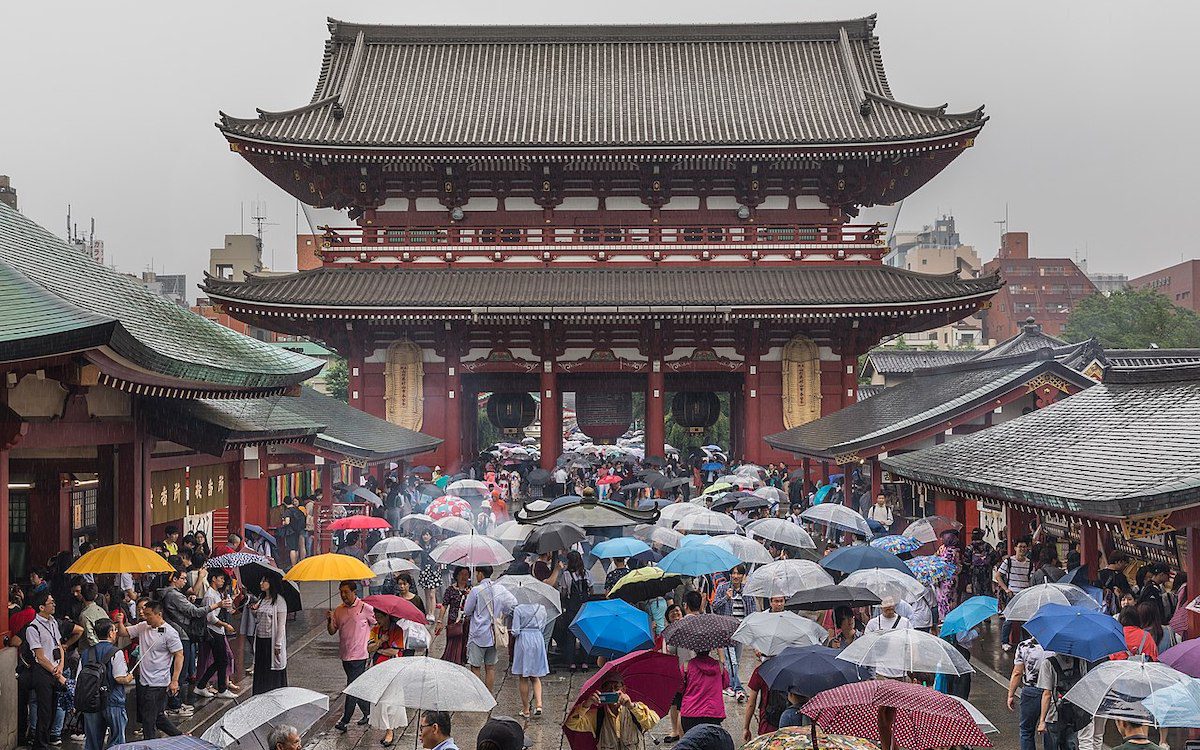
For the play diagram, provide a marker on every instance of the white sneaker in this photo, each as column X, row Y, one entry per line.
column 187, row 710
column 1007, row 647
column 229, row 694
column 728, row 692
column 207, row 693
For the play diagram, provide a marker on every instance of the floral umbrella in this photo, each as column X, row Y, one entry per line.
column 897, row 544
column 798, row 738
column 931, row 569
column 449, row 505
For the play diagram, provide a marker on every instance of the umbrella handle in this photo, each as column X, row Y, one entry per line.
column 886, row 717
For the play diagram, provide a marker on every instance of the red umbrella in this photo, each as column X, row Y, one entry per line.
column 359, row 522
column 608, row 479
column 895, row 714
column 396, row 607
column 650, row 677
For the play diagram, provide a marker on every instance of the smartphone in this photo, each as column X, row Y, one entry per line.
column 609, row 697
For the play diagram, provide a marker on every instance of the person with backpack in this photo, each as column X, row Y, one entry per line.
column 190, row 621
column 1011, row 577
column 43, row 658
column 981, row 556
column 1113, row 582
column 1140, row 645
column 769, row 704
column 1060, row 720
column 1024, row 695
column 100, row 689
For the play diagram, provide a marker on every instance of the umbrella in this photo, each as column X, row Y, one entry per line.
column 259, row 714
column 422, row 469
column 698, row 560
column 837, row 516
column 1108, row 688
column 885, row 583
column 1177, row 705
column 389, row 565
column 985, row 725
column 687, row 540
column 330, row 566
column 896, row 714
column 702, row 632
column 529, row 590
column 654, row 502
column 726, row 500
column 423, row 683
column 1077, row 631
column 969, row 614
column 538, row 478
column 636, row 486
column 707, row 522
column 468, row 487
column 537, row 505
column 121, row 558
column 808, row 670
column 677, row 512
column 182, row 742
column 415, row 521
column 771, row 632
column 650, row 677
column 447, row 506
column 564, row 500
column 471, row 550
column 1185, row 657
column 1028, row 602
column 654, row 534
column 773, row 495
column 644, row 583
column 612, row 628
column 801, row 738
column 394, row 545
column 511, row 532
column 233, row 560
column 261, row 532
column 609, row 479
column 554, row 536
column 365, row 494
column 786, row 577
column 455, row 525
column 828, row 597
column 930, row 529
column 905, row 650
column 897, row 544
column 931, row 569
column 620, row 547
column 253, row 573
column 712, row 466
column 861, row 556
column 429, row 489
column 718, row 486
column 359, row 522
column 752, row 502
column 744, row 549
column 781, row 531
column 753, row 470
column 396, row 606
column 654, row 461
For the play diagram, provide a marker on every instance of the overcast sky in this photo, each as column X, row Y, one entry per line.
column 1091, row 144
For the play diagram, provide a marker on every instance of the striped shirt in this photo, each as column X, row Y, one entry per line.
column 1016, row 572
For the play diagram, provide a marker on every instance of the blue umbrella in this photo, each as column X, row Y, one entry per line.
column 612, row 628
column 821, row 494
column 1177, row 705
column 690, row 539
column 252, row 529
column 969, row 614
column 860, row 557
column 659, row 502
column 698, row 560
column 808, row 670
column 711, row 466
column 897, row 544
column 1077, row 631
column 620, row 547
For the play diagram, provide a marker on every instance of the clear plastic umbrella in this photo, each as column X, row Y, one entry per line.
column 652, row 534
column 389, row 565
column 472, row 550
column 707, row 522
column 511, row 533
column 415, row 521
column 886, row 583
column 905, row 650
column 772, row 632
column 745, row 549
column 837, row 516
column 454, row 525
column 394, row 545
column 984, row 723
column 1108, row 690
column 469, row 488
column 772, row 494
column 529, row 590
column 781, row 531
column 786, row 577
column 1026, row 602
column 677, row 512
column 422, row 683
column 537, row 505
column 259, row 714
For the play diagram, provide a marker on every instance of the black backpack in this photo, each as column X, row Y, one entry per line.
column 92, row 684
column 1070, row 715
column 777, row 703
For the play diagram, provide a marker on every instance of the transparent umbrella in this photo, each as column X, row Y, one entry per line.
column 422, row 683
column 677, row 512
column 415, row 521
column 394, row 545
column 773, row 494
column 772, row 632
column 707, row 522
column 837, row 516
column 390, row 565
column 885, row 583
column 907, row 650
column 984, row 723
column 529, row 590
column 745, row 549
column 511, row 533
column 652, row 534
column 781, row 531
column 472, row 550
column 259, row 714
column 454, row 525
column 1026, row 603
column 1107, row 690
column 786, row 577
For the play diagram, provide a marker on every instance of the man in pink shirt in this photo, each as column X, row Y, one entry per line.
column 352, row 622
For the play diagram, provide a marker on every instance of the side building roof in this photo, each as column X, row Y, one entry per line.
column 59, row 301
column 901, row 362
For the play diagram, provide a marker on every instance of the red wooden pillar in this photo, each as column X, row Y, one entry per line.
column 750, row 401
column 1089, row 549
column 4, row 533
column 1193, row 571
column 237, row 503
column 551, row 416
column 655, row 410
column 876, row 479
column 145, row 446
column 825, row 471
column 849, row 379
column 454, row 409
column 1012, row 522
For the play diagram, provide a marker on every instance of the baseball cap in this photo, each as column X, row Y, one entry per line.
column 505, row 732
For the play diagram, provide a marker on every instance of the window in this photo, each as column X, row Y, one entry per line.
column 225, row 271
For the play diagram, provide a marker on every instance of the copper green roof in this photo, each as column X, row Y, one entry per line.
column 55, row 300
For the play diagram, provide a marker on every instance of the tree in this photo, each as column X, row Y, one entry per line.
column 337, row 379
column 1133, row 319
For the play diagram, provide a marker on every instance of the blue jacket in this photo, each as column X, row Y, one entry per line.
column 723, row 605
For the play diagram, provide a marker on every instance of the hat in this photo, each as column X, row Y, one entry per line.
column 505, row 732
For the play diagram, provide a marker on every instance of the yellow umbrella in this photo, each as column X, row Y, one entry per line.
column 717, row 487
column 331, row 566
column 121, row 558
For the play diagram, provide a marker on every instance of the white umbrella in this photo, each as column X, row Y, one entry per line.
column 1113, row 688
column 707, row 522
column 394, row 545
column 905, row 650
column 454, row 525
column 1026, row 602
column 422, row 683
column 753, row 470
column 985, row 725
column 259, row 714
column 771, row 632
column 744, row 481
column 781, row 531
column 653, row 534
column 886, row 583
column 468, row 487
column 786, row 577
column 744, row 549
column 415, row 520
column 511, row 533
column 472, row 550
column 389, row 565
column 774, row 495
column 529, row 590
column 837, row 516
column 675, row 512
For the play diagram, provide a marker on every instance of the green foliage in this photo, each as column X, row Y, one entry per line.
column 679, row 437
column 337, row 379
column 1133, row 319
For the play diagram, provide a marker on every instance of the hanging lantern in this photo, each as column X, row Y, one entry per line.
column 511, row 412
column 604, row 416
column 695, row 410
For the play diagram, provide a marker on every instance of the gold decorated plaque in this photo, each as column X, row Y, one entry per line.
column 405, row 376
column 801, row 382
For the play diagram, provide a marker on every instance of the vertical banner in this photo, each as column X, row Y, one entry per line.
column 169, row 496
column 199, row 522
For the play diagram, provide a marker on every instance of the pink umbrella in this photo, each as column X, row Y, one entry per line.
column 449, row 505
column 359, row 522
column 650, row 677
column 608, row 479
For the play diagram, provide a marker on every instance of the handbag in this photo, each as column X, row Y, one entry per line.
column 499, row 627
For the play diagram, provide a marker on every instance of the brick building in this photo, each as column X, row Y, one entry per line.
column 1178, row 283
column 1044, row 288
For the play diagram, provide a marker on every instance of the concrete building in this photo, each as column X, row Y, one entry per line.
column 1177, row 283
column 1043, row 288
column 306, row 251
column 241, row 254
column 8, row 193
column 173, row 286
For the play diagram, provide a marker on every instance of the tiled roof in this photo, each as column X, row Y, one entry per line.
column 1129, row 446
column 867, row 391
column 1127, row 358
column 52, row 290
column 597, row 86
column 904, row 361
column 604, row 286
column 928, row 398
column 1030, row 338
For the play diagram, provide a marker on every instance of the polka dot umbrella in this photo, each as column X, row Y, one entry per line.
column 702, row 632
column 449, row 505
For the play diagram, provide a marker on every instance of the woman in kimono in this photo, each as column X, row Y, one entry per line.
column 455, row 625
column 270, row 636
column 529, row 661
column 386, row 641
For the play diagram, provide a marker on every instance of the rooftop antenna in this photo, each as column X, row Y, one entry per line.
column 259, row 217
column 1003, row 223
column 68, row 222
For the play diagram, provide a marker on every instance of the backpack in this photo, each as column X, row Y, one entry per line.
column 92, row 684
column 981, row 556
column 25, row 658
column 777, row 703
column 1070, row 716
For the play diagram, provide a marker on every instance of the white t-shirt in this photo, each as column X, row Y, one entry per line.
column 881, row 623
column 157, row 646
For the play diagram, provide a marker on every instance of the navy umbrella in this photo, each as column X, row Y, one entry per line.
column 808, row 670
column 860, row 557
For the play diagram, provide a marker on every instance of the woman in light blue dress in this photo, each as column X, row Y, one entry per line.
column 529, row 661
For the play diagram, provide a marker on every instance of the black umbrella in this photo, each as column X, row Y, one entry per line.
column 654, row 461
column 253, row 574
column 753, row 502
column 730, row 500
column 634, row 486
column 538, row 477
column 643, row 584
column 828, row 597
column 552, row 536
column 676, row 482
column 797, row 474
column 808, row 670
column 650, row 474
column 702, row 632
column 422, row 469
